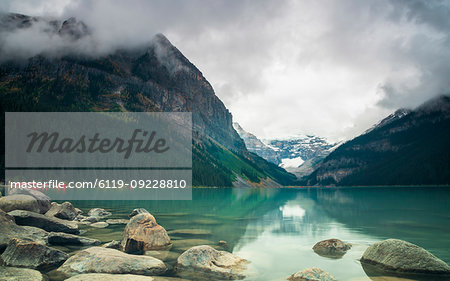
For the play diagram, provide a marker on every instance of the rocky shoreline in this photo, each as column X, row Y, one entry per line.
column 35, row 231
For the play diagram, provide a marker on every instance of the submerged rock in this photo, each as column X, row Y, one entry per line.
column 205, row 263
column 30, row 254
column 190, row 231
column 112, row 245
column 61, row 238
column 19, row 202
column 120, row 277
column 142, row 233
column 331, row 248
column 223, row 244
column 104, row 260
column 63, row 211
column 99, row 213
column 403, row 257
column 186, row 244
column 164, row 255
column 311, row 274
column 112, row 277
column 100, row 224
column 117, row 221
column 44, row 222
column 85, row 219
column 20, row 274
column 137, row 212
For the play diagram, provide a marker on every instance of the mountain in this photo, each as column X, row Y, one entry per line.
column 156, row 77
column 255, row 145
column 410, row 147
column 298, row 155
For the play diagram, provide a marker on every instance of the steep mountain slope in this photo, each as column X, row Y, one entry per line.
column 156, row 77
column 255, row 145
column 410, row 147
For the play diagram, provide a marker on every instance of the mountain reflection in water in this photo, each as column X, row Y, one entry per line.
column 276, row 228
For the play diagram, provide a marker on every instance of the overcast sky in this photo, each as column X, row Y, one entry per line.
column 330, row 68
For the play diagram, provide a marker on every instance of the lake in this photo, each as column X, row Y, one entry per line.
column 276, row 228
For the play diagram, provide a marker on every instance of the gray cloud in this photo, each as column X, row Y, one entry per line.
column 331, row 68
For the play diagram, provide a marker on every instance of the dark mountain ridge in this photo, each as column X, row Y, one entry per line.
column 156, row 77
column 411, row 149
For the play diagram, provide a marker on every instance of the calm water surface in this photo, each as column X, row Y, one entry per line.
column 276, row 228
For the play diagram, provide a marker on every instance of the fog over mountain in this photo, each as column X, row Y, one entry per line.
column 281, row 67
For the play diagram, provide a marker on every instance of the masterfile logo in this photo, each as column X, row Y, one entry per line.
column 54, row 143
column 100, row 155
column 98, row 139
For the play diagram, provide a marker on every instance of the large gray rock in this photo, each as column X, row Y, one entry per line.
column 9, row 229
column 19, row 202
column 142, row 233
column 403, row 257
column 205, row 263
column 44, row 222
column 30, row 254
column 43, row 200
column 63, row 211
column 331, row 248
column 61, row 238
column 20, row 274
column 104, row 260
column 34, row 233
column 311, row 274
column 99, row 213
column 137, row 212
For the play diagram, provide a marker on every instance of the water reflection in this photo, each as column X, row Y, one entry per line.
column 276, row 228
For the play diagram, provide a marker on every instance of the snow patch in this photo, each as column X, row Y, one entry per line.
column 291, row 162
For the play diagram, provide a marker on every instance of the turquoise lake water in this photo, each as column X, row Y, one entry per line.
column 276, row 229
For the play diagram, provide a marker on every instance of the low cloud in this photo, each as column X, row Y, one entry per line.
column 330, row 68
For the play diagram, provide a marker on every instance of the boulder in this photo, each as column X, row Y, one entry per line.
column 30, row 254
column 44, row 222
column 99, row 213
column 112, row 245
column 331, row 248
column 20, row 274
column 311, row 274
column 142, row 233
column 104, row 260
column 19, row 202
column 43, row 200
column 34, row 233
column 205, row 263
column 63, row 211
column 403, row 257
column 137, row 212
column 61, row 238
column 9, row 229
